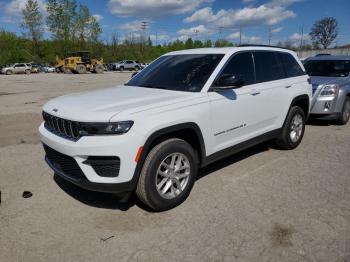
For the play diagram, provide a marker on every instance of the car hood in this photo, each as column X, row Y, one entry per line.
column 102, row 105
column 320, row 80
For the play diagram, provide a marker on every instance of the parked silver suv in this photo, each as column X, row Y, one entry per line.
column 128, row 65
column 18, row 68
column 331, row 87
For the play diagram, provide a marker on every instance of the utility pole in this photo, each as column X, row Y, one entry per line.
column 156, row 38
column 240, row 35
column 220, row 31
column 302, row 37
column 196, row 31
column 144, row 25
column 270, row 35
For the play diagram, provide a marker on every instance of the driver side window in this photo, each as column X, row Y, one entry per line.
column 241, row 65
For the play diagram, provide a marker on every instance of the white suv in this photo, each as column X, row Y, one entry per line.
column 184, row 111
column 17, row 69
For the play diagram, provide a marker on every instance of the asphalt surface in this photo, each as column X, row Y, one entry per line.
column 259, row 205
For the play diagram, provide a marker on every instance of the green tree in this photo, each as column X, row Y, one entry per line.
column 32, row 21
column 82, row 23
column 95, row 30
column 61, row 18
column 189, row 43
column 325, row 31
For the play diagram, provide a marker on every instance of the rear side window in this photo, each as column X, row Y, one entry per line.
column 291, row 66
column 241, row 65
column 268, row 66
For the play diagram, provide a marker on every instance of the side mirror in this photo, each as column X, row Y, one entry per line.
column 228, row 82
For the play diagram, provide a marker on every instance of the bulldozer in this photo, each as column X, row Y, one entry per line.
column 59, row 65
column 81, row 62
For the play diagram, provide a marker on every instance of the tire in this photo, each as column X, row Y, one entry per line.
column 293, row 129
column 80, row 69
column 121, row 69
column 137, row 68
column 152, row 175
column 9, row 72
column 99, row 69
column 345, row 114
column 27, row 72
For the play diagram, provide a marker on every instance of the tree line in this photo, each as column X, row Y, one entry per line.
column 73, row 27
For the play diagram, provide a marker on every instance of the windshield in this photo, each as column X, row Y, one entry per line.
column 178, row 72
column 331, row 68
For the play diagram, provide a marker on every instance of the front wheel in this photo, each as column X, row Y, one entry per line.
column 293, row 129
column 168, row 175
column 27, row 72
column 345, row 114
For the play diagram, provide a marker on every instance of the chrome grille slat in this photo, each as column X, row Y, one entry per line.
column 61, row 127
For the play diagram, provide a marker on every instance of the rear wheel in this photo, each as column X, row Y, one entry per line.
column 345, row 114
column 293, row 129
column 9, row 72
column 167, row 175
column 99, row 69
column 121, row 69
column 81, row 69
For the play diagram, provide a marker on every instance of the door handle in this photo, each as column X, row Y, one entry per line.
column 288, row 86
column 255, row 92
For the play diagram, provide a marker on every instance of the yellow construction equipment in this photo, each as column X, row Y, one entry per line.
column 81, row 62
column 59, row 65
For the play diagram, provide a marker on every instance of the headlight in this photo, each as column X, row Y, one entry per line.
column 329, row 90
column 117, row 128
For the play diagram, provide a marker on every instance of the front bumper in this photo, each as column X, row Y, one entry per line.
column 324, row 105
column 124, row 147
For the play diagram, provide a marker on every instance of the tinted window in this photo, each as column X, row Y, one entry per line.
column 268, row 66
column 19, row 65
column 241, row 65
column 291, row 66
column 335, row 68
column 178, row 72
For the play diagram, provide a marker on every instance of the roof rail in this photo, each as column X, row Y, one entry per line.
column 253, row 45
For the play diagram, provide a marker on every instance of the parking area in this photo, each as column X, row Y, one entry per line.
column 259, row 205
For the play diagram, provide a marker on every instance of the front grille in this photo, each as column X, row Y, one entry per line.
column 62, row 127
column 64, row 164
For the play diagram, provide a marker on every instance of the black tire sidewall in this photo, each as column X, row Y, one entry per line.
column 342, row 119
column 155, row 199
column 294, row 111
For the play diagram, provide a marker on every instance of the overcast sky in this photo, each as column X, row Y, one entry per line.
column 204, row 19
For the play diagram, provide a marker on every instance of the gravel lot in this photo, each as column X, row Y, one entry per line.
column 259, row 205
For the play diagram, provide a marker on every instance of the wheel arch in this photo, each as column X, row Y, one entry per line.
column 303, row 101
column 190, row 132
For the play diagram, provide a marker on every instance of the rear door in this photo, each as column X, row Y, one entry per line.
column 273, row 89
column 19, row 68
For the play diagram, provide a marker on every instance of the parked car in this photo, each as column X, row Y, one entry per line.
column 331, row 87
column 18, row 68
column 49, row 69
column 184, row 111
column 128, row 65
column 37, row 68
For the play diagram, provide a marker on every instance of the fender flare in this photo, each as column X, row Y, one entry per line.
column 161, row 132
